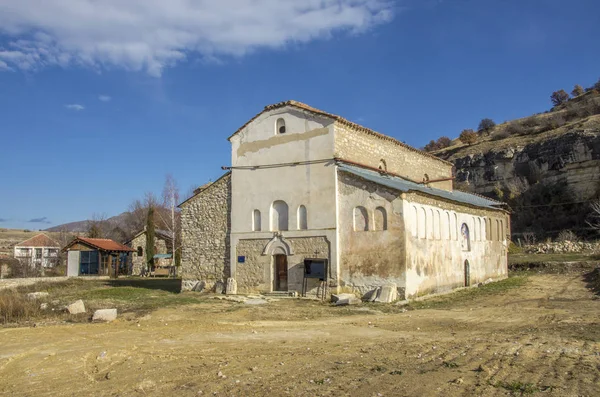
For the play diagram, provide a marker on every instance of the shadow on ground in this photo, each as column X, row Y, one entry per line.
column 592, row 280
column 165, row 284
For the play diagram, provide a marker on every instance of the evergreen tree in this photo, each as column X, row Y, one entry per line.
column 150, row 237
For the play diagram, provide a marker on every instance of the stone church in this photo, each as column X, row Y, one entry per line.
column 317, row 204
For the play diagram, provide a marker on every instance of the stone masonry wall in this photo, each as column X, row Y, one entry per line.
column 138, row 262
column 368, row 149
column 255, row 274
column 205, row 224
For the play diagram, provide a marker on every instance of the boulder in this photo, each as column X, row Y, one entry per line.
column 37, row 295
column 345, row 299
column 255, row 302
column 371, row 295
column 231, row 288
column 105, row 315
column 388, row 293
column 76, row 307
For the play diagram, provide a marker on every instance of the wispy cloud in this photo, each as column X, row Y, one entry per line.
column 75, row 106
column 3, row 220
column 39, row 220
column 104, row 98
column 151, row 35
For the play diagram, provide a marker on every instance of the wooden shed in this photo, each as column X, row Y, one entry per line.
column 97, row 257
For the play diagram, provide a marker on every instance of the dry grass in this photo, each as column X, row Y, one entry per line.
column 16, row 307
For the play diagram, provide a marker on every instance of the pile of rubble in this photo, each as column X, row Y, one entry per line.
column 563, row 247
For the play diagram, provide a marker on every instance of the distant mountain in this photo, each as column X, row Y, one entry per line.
column 119, row 221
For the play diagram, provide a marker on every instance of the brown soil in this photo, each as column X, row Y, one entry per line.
column 543, row 338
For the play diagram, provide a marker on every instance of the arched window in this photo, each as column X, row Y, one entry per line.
column 497, row 230
column 280, row 126
column 465, row 241
column 302, row 222
column 380, row 219
column 474, row 228
column 140, row 251
column 361, row 219
column 279, row 215
column 448, row 228
column 502, row 233
column 422, row 223
column 479, row 230
column 415, row 222
column 256, row 221
column 382, row 165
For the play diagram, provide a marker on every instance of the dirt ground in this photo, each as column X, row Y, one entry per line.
column 540, row 338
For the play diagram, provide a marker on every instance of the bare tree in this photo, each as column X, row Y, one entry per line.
column 95, row 227
column 170, row 198
column 594, row 216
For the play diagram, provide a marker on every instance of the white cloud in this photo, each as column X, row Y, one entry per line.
column 75, row 106
column 104, row 98
column 151, row 35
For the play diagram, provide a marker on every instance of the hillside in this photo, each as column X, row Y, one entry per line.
column 545, row 166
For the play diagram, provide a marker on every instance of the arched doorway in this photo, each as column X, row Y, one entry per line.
column 280, row 279
column 467, row 274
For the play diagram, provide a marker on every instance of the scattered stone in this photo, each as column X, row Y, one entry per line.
column 44, row 306
column 231, row 288
column 388, row 293
column 219, row 287
column 255, row 302
column 76, row 307
column 199, row 286
column 107, row 376
column 483, row 368
column 105, row 315
column 37, row 295
column 370, row 296
column 345, row 299
column 458, row 381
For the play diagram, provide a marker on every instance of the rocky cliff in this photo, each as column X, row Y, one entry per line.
column 547, row 175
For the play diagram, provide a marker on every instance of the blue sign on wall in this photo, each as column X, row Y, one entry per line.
column 241, row 259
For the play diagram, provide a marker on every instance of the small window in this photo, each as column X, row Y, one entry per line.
column 302, row 222
column 279, row 216
column 380, row 219
column 361, row 219
column 382, row 165
column 415, row 222
column 465, row 238
column 140, row 251
column 422, row 225
column 280, row 126
column 256, row 221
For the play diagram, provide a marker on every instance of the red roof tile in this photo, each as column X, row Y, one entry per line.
column 102, row 243
column 41, row 240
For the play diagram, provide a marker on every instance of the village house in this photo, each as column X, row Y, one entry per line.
column 314, row 203
column 39, row 251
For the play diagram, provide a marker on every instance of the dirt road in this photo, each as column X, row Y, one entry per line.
column 543, row 338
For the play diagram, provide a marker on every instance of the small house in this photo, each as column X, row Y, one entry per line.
column 39, row 251
column 97, row 257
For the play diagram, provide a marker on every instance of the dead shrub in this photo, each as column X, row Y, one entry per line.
column 496, row 136
column 553, row 122
column 530, row 122
column 515, row 128
column 567, row 235
column 16, row 307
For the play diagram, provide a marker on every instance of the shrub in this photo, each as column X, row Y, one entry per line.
column 577, row 90
column 596, row 86
column 468, row 137
column 441, row 143
column 500, row 135
column 559, row 97
column 431, row 146
column 444, row 142
column 567, row 235
column 515, row 128
column 531, row 122
column 486, row 125
column 553, row 122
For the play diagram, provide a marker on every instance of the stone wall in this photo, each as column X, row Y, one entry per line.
column 256, row 273
column 161, row 246
column 368, row 149
column 375, row 257
column 205, row 225
column 20, row 282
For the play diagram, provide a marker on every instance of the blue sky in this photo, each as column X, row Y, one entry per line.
column 101, row 99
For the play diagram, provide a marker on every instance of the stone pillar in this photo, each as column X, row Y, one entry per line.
column 231, row 288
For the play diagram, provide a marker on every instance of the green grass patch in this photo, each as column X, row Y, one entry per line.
column 537, row 258
column 518, row 388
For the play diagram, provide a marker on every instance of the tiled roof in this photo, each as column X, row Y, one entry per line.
column 41, row 240
column 403, row 185
column 340, row 120
column 104, row 244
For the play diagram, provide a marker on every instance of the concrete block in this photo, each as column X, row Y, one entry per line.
column 255, row 302
column 388, row 294
column 231, row 288
column 76, row 307
column 345, row 299
column 105, row 315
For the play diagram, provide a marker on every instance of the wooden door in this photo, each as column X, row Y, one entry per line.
column 281, row 273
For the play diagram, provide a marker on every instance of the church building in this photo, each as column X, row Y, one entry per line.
column 315, row 204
